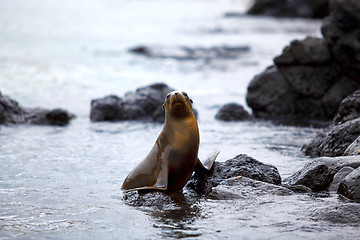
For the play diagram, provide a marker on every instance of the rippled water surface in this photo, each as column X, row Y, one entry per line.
column 64, row 182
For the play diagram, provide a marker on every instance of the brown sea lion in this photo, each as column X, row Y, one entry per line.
column 174, row 156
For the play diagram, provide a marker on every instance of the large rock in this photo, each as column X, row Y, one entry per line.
column 350, row 185
column 242, row 165
column 334, row 140
column 12, row 113
column 308, row 85
column 232, row 112
column 312, row 76
column 294, row 8
column 143, row 104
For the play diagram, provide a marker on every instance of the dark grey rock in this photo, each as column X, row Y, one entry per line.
column 12, row 113
column 242, row 165
column 267, row 101
column 341, row 30
column 320, row 173
column 350, row 186
column 246, row 188
column 353, row 149
column 335, row 164
column 232, row 112
column 143, row 104
column 339, row 176
column 314, row 75
column 349, row 108
column 191, row 53
column 315, row 175
column 294, row 8
column 334, row 140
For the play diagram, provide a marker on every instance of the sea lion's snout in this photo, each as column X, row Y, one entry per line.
column 178, row 103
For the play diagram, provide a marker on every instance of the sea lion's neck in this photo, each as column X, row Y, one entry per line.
column 184, row 128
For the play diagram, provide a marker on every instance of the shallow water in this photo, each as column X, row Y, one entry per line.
column 64, row 182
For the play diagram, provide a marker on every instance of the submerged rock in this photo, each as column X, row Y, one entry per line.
column 242, row 165
column 232, row 112
column 12, row 113
column 143, row 104
column 350, row 185
column 245, row 188
column 294, row 8
column 191, row 53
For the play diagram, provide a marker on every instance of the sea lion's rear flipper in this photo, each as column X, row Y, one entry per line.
column 208, row 163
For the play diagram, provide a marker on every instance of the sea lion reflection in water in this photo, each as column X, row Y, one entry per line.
column 174, row 156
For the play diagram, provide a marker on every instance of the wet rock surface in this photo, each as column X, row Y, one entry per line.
column 312, row 76
column 12, row 113
column 349, row 108
column 245, row 188
column 242, row 165
column 353, row 148
column 232, row 112
column 314, row 175
column 350, row 185
column 339, row 138
column 143, row 104
column 295, row 8
column 322, row 173
column 339, row 176
column 191, row 53
column 334, row 140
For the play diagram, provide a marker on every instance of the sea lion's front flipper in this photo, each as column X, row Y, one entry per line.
column 208, row 163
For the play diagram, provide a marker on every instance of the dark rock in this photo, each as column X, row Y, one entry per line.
column 315, row 175
column 143, row 104
column 191, row 53
column 353, row 149
column 294, row 8
column 335, row 164
column 12, row 113
column 339, row 176
column 334, row 140
column 232, row 112
column 314, row 75
column 320, row 173
column 267, row 101
column 349, row 108
column 306, row 52
column 241, row 165
column 245, row 188
column 350, row 185
column 341, row 30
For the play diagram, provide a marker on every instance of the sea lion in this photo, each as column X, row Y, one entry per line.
column 174, row 156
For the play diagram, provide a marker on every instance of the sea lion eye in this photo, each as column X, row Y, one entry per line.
column 167, row 96
column 184, row 93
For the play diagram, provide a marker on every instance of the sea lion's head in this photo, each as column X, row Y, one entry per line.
column 178, row 104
